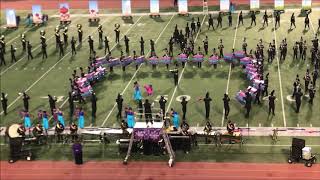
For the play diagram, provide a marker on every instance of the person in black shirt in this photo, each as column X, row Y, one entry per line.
column 141, row 46
column 2, row 60
column 171, row 46
column 210, row 22
column 61, row 51
column 13, row 56
column 219, row 18
column 117, row 31
column 152, row 46
column 207, row 100
column 100, row 32
column 226, row 106
column 140, row 108
column 306, row 22
column 57, row 35
column 175, row 76
column 65, row 36
column 52, row 103
column 271, row 98
column 193, row 26
column 4, row 102
column 73, row 46
column 162, row 103
column 253, row 18
column 315, row 75
column 205, row 45
column 230, row 19
column 295, row 50
column 240, row 18
column 126, row 42
column 106, row 45
column 187, row 31
column 277, row 17
column 184, row 103
column 312, row 92
column 23, row 43
column 199, row 25
column 266, row 85
column 147, row 111
column 94, row 106
column 25, row 99
column 248, row 100
column 298, row 96
column 80, row 33
column 119, row 102
column 265, row 19
column 293, row 21
column 90, row 41
column 44, row 50
column 29, row 50
column 318, row 25
column 258, row 94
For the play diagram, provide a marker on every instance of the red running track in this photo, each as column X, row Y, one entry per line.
column 112, row 170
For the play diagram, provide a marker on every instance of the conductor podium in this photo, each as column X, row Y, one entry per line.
column 150, row 134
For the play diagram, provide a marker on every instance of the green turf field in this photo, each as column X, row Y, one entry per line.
column 41, row 77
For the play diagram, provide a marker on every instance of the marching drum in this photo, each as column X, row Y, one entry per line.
column 12, row 131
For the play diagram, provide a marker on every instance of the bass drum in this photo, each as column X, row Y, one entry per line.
column 12, row 131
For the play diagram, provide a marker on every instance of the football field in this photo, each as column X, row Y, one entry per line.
column 40, row 77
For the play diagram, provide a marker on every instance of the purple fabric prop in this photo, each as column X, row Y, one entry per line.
column 214, row 60
column 153, row 60
column 147, row 133
column 239, row 54
column 165, row 60
column 126, row 61
column 182, row 57
column 197, row 58
column 114, row 62
column 139, row 60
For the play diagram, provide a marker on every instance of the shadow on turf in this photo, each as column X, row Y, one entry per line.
column 142, row 75
column 157, row 19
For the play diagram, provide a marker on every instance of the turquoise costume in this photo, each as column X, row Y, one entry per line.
column 137, row 94
column 61, row 119
column 27, row 121
column 130, row 119
column 45, row 122
column 176, row 120
column 81, row 120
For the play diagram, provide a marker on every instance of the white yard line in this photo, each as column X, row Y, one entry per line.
column 279, row 74
column 135, row 73
column 175, row 89
column 34, row 83
column 37, row 47
column 110, row 50
column 229, row 75
column 314, row 31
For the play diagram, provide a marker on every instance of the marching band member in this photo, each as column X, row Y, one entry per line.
column 81, row 118
column 60, row 117
column 137, row 93
column 37, row 132
column 73, row 131
column 59, row 130
column 230, row 127
column 45, row 121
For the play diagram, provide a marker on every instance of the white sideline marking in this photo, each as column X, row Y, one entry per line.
column 175, row 89
column 229, row 75
column 135, row 73
column 33, row 84
column 26, row 54
column 279, row 75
